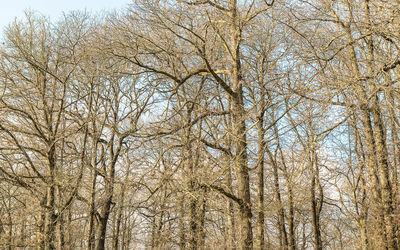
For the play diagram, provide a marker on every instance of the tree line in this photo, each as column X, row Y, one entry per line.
column 202, row 124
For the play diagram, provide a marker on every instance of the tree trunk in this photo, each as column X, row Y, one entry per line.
column 60, row 224
column 10, row 231
column 40, row 225
column 114, row 151
column 92, row 209
column 277, row 193
column 182, row 237
column 386, row 188
column 105, row 213
column 292, row 240
column 260, row 180
column 106, row 208
column 202, row 232
column 371, row 155
column 239, row 131
column 50, row 218
column 292, row 236
column 120, row 210
column 188, row 156
column 231, row 232
column 315, row 203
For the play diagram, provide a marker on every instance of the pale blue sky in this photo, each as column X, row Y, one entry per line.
column 53, row 8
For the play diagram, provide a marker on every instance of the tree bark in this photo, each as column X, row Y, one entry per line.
column 315, row 210
column 277, row 193
column 50, row 218
column 182, row 238
column 386, row 189
column 239, row 131
column 260, row 179
column 120, row 209
column 109, row 191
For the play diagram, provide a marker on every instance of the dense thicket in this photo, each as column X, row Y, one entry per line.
column 203, row 124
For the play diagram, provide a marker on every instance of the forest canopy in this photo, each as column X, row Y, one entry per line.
column 202, row 124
